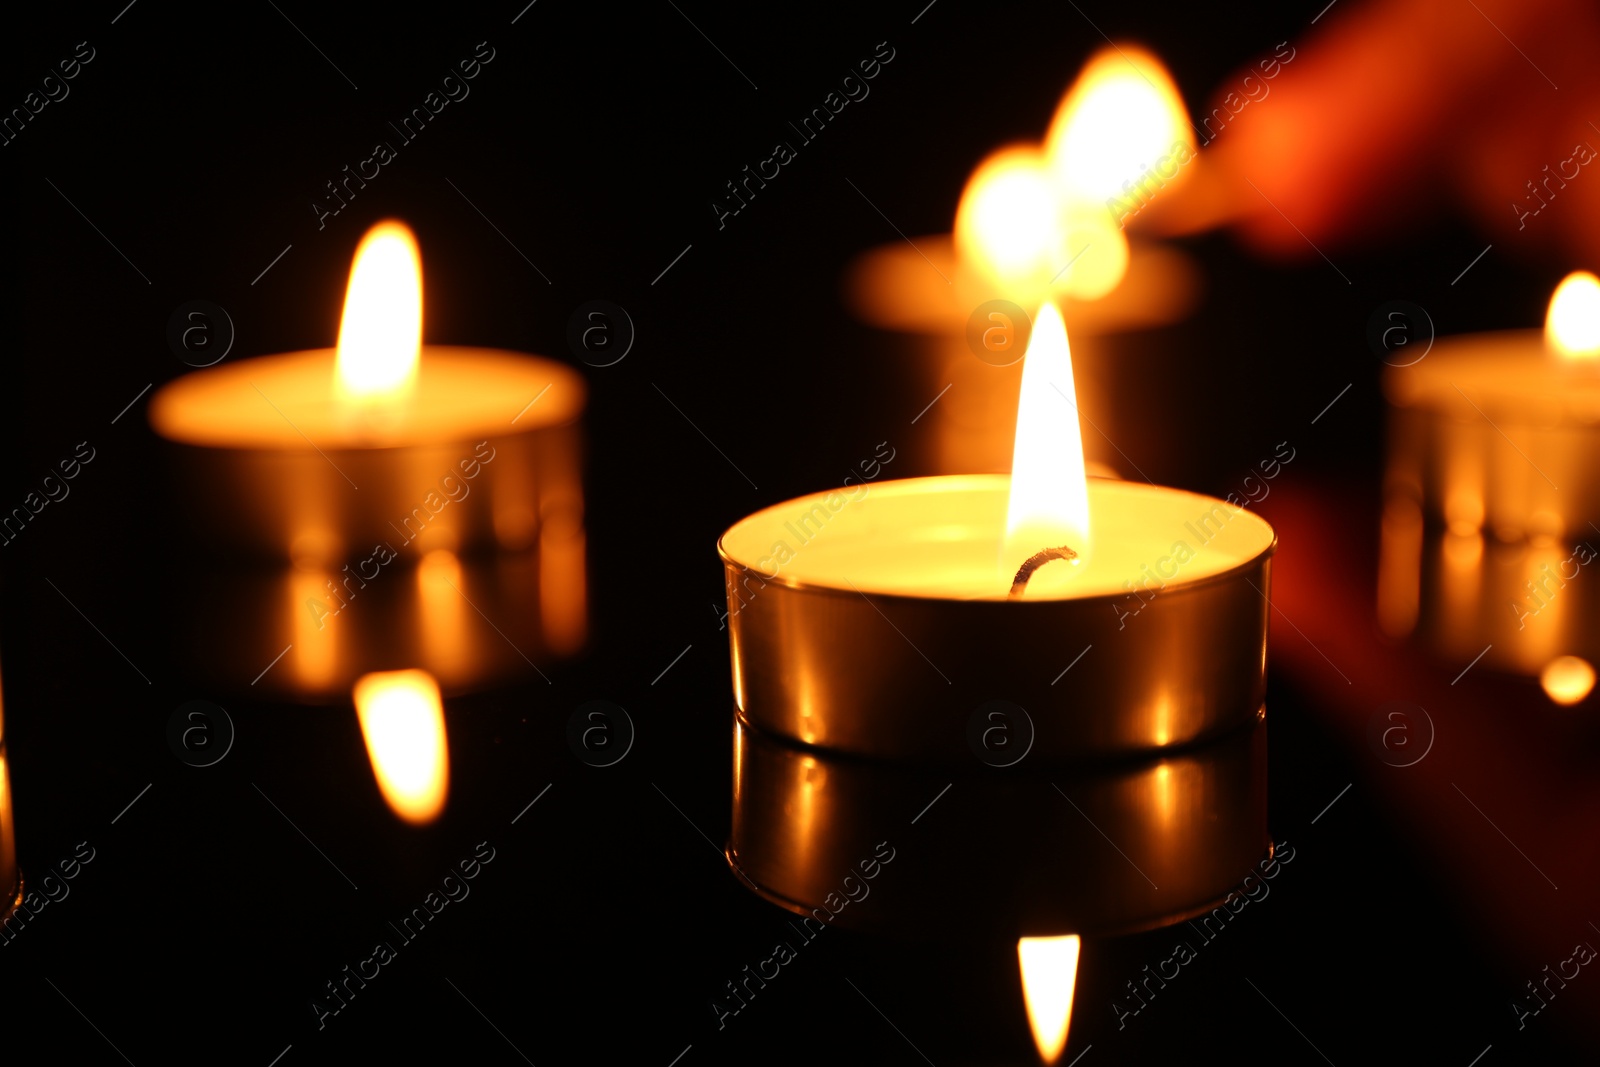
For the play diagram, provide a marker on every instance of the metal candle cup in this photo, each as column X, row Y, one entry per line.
column 277, row 466
column 311, row 498
column 1491, row 494
column 1494, row 431
column 875, row 623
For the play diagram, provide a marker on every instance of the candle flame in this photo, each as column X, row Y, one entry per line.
column 380, row 333
column 402, row 719
column 1049, row 502
column 1049, row 975
column 1008, row 223
column 1567, row 679
column 1572, row 326
column 1121, row 117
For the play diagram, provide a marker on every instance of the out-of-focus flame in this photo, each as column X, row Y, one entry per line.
column 1049, row 502
column 1118, row 122
column 380, row 333
column 1014, row 227
column 1567, row 679
column 1009, row 223
column 402, row 719
column 1572, row 326
column 1049, row 974
column 443, row 613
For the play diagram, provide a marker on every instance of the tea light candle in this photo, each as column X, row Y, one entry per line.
column 1492, row 495
column 317, row 455
column 875, row 622
column 1500, row 430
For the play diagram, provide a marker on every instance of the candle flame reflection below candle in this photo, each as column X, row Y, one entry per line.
column 1572, row 325
column 1049, row 502
column 1567, row 679
column 402, row 720
column 380, row 332
column 1049, row 976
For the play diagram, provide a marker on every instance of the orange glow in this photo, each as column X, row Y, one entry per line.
column 444, row 613
column 314, row 627
column 1572, row 325
column 1009, row 223
column 1049, row 974
column 1049, row 501
column 1567, row 679
column 380, row 333
column 402, row 719
column 1121, row 126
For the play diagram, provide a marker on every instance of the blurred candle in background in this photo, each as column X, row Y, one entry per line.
column 383, row 504
column 1492, row 495
column 1040, row 222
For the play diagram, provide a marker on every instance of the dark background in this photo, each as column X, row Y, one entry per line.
column 595, row 141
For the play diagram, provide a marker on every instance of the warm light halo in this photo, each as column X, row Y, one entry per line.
column 1572, row 324
column 1009, row 225
column 1120, row 118
column 1567, row 680
column 380, row 331
column 1048, row 504
column 402, row 720
column 1049, row 974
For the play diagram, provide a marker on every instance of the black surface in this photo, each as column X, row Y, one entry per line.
column 211, row 915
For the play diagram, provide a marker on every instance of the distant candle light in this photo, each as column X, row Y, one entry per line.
column 1572, row 325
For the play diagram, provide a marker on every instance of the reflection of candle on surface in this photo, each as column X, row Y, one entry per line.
column 321, row 454
column 402, row 720
column 1491, row 469
column 801, row 576
column 10, row 877
column 1567, row 679
column 1049, row 974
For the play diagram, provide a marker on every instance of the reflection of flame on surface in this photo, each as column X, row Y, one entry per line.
column 1567, row 679
column 443, row 613
column 1572, row 325
column 380, row 333
column 313, row 626
column 402, row 719
column 1049, row 501
column 1120, row 117
column 1400, row 567
column 1049, row 973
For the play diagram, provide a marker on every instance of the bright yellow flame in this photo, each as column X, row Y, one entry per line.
column 1049, row 502
column 1572, row 326
column 380, row 333
column 1567, row 679
column 402, row 719
column 1009, row 223
column 1049, row 974
column 1122, row 127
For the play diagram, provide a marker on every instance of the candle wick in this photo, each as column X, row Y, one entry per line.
column 1020, row 583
